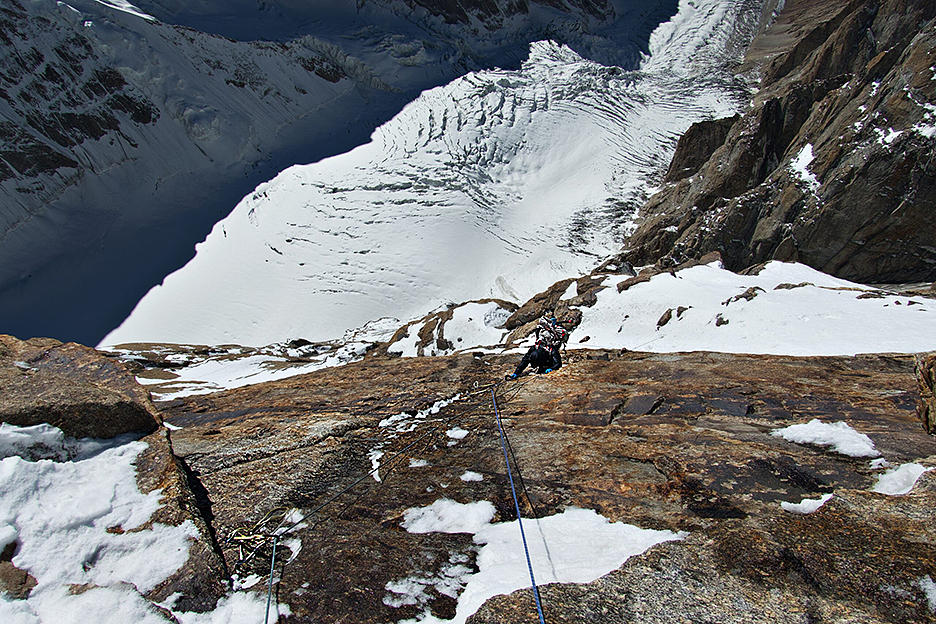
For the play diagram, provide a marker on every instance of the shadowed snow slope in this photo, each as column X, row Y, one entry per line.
column 494, row 185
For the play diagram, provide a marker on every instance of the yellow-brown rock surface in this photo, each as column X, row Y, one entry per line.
column 664, row 441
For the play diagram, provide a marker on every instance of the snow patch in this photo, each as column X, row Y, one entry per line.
column 928, row 587
column 457, row 433
column 447, row 516
column 576, row 546
column 839, row 435
column 80, row 521
column 900, row 480
column 806, row 506
column 800, row 166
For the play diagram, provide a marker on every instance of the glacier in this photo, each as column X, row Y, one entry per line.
column 495, row 184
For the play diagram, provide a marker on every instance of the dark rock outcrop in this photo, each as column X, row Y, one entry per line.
column 696, row 146
column 831, row 166
column 72, row 387
column 926, row 374
column 16, row 583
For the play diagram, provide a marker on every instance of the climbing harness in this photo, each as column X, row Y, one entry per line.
column 513, row 491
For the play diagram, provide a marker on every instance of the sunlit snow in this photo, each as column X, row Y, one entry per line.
column 839, row 435
column 126, row 7
column 81, row 520
column 900, row 480
column 496, row 184
column 794, row 310
column 807, row 505
column 576, row 546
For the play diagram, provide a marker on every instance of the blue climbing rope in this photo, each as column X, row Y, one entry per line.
column 500, row 428
column 266, row 617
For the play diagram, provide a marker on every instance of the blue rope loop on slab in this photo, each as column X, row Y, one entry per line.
column 513, row 491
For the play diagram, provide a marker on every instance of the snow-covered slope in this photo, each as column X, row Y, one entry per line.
column 124, row 139
column 497, row 184
column 786, row 309
column 128, row 129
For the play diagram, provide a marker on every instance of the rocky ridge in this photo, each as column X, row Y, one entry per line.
column 830, row 165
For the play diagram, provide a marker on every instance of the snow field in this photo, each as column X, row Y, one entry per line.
column 497, row 184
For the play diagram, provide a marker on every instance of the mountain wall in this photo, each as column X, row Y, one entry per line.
column 831, row 165
column 123, row 139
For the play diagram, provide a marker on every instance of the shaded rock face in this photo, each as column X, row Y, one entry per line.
column 830, row 166
column 926, row 374
column 665, row 441
column 493, row 14
column 202, row 580
column 71, row 387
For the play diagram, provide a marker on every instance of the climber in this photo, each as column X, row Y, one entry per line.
column 544, row 356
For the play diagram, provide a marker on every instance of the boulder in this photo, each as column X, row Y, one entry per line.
column 72, row 387
column 15, row 583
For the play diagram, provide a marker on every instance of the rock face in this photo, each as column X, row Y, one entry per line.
column 926, row 373
column 72, row 387
column 831, row 164
column 202, row 580
column 665, row 441
column 85, row 394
